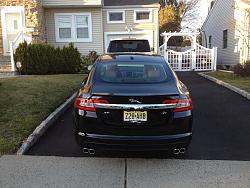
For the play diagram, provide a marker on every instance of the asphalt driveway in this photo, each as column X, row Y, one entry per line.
column 221, row 127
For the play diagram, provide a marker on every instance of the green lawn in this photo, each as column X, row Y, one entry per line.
column 26, row 101
column 240, row 82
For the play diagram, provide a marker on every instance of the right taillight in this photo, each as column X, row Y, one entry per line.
column 180, row 104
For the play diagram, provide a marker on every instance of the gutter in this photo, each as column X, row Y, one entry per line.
column 72, row 6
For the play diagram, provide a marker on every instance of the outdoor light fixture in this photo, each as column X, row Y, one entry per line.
column 19, row 65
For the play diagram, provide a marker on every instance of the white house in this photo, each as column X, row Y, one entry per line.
column 227, row 27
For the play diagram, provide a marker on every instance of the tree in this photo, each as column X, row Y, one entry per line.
column 169, row 21
column 173, row 13
column 242, row 28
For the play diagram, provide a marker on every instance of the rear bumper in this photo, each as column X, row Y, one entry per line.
column 111, row 142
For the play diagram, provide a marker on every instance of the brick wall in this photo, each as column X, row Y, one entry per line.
column 33, row 15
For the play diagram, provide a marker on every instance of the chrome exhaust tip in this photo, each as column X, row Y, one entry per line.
column 91, row 151
column 182, row 150
column 176, row 151
column 86, row 150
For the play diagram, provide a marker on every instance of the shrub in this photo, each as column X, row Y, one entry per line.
column 242, row 70
column 42, row 58
column 88, row 60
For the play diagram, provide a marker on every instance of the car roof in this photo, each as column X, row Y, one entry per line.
column 130, row 57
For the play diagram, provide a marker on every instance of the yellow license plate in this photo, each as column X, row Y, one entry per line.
column 135, row 116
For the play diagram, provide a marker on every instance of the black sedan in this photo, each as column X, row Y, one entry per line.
column 133, row 102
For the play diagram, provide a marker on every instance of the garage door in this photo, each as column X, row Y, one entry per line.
column 119, row 36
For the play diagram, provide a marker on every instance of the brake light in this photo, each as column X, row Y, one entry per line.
column 88, row 104
column 181, row 104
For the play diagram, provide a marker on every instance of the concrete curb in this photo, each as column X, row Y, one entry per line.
column 229, row 86
column 41, row 129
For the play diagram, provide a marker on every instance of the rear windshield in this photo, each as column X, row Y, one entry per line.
column 124, row 73
column 129, row 46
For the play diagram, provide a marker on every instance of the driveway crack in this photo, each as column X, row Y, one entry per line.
column 125, row 174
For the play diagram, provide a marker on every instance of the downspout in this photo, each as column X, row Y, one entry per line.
column 205, row 37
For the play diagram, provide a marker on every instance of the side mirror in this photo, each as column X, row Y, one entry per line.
column 152, row 49
column 90, row 67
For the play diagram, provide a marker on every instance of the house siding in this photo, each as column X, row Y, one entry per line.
column 71, row 2
column 1, row 36
column 83, row 47
column 214, row 26
column 129, row 21
column 248, row 41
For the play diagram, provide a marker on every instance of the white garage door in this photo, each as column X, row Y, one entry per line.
column 119, row 36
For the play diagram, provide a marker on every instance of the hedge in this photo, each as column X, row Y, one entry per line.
column 242, row 70
column 45, row 59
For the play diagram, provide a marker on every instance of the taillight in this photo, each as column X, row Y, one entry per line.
column 88, row 104
column 180, row 104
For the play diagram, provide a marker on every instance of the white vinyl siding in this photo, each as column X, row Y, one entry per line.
column 216, row 24
column 84, row 47
column 146, row 27
column 50, row 3
column 73, row 27
column 248, row 53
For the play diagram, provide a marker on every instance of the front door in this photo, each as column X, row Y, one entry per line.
column 12, row 25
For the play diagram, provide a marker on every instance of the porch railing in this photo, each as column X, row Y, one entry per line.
column 21, row 37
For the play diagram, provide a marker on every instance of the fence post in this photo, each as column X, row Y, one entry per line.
column 214, row 58
column 193, row 59
column 180, row 61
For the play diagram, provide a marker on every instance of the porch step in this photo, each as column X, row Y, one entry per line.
column 7, row 74
column 5, row 64
column 5, row 60
column 5, row 68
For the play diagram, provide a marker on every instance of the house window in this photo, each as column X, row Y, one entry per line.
column 142, row 16
column 64, row 27
column 73, row 27
column 15, row 25
column 210, row 42
column 116, row 16
column 82, row 28
column 225, row 36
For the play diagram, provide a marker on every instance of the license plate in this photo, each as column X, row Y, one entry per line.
column 135, row 116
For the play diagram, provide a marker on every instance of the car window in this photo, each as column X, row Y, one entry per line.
column 129, row 46
column 141, row 72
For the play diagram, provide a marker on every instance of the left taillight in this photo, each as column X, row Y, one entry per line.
column 180, row 104
column 88, row 104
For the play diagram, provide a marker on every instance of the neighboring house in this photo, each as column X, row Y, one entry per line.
column 227, row 27
column 89, row 24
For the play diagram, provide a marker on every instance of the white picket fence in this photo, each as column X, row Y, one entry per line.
column 197, row 59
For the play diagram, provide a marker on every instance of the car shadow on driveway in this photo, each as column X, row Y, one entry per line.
column 221, row 128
